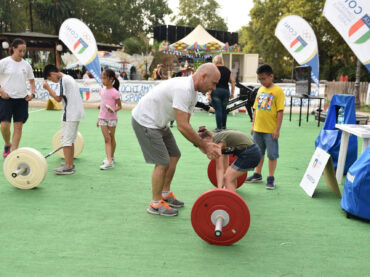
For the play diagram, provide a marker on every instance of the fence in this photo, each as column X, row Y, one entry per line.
column 346, row 88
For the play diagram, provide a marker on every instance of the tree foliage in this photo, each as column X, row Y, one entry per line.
column 53, row 12
column 111, row 21
column 194, row 12
column 258, row 37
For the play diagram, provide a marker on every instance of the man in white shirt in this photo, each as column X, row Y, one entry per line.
column 173, row 99
column 69, row 93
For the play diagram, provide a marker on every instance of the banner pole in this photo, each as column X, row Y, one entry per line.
column 291, row 78
column 357, row 84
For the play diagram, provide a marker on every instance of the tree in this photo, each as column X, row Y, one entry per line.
column 115, row 20
column 111, row 21
column 194, row 12
column 54, row 12
column 258, row 36
column 13, row 17
column 136, row 45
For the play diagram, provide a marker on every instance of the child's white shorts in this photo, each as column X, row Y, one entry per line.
column 69, row 132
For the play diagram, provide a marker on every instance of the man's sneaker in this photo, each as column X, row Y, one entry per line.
column 270, row 182
column 255, row 178
column 107, row 165
column 63, row 164
column 106, row 160
column 63, row 170
column 6, row 150
column 162, row 209
column 171, row 200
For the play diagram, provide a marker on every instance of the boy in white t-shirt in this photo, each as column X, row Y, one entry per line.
column 69, row 93
column 170, row 100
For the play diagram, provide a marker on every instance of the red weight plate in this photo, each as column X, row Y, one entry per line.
column 212, row 172
column 220, row 199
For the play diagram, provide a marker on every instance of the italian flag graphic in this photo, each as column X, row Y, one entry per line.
column 360, row 31
column 80, row 46
column 85, row 94
column 298, row 44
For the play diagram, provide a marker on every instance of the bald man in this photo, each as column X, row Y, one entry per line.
column 173, row 99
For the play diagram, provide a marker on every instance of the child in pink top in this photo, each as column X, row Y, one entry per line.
column 107, row 120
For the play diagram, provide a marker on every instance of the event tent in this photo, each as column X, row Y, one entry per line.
column 199, row 40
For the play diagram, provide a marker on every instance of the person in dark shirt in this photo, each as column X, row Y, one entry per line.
column 159, row 74
column 232, row 142
column 220, row 96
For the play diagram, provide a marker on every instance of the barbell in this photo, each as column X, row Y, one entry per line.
column 212, row 172
column 26, row 168
column 220, row 217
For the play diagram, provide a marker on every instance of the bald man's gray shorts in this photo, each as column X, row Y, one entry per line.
column 157, row 145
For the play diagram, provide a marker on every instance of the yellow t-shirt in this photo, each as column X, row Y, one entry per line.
column 268, row 102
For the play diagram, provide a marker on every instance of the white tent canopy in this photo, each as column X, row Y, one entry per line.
column 200, row 36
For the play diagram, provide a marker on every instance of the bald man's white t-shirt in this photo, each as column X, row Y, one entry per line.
column 155, row 109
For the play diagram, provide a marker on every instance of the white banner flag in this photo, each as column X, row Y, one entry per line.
column 81, row 41
column 352, row 21
column 299, row 39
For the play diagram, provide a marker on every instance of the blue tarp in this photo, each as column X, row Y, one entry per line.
column 329, row 138
column 356, row 192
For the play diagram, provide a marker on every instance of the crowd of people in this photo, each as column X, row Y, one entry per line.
column 171, row 100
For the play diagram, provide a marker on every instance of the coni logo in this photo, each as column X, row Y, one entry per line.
column 298, row 44
column 80, row 46
column 360, row 31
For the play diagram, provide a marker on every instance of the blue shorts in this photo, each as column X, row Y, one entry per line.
column 265, row 141
column 248, row 158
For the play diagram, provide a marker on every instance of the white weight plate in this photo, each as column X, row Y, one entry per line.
column 79, row 144
column 35, row 162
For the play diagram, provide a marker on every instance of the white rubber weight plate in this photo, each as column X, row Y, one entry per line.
column 30, row 158
column 79, row 144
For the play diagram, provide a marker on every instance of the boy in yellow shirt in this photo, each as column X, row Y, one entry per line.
column 267, row 119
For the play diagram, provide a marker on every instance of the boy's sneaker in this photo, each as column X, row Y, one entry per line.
column 63, row 164
column 6, row 150
column 162, row 209
column 255, row 178
column 106, row 160
column 64, row 170
column 171, row 200
column 270, row 182
column 107, row 165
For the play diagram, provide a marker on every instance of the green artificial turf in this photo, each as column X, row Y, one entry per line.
column 94, row 223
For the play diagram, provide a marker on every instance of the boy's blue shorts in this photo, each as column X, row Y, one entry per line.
column 248, row 158
column 265, row 141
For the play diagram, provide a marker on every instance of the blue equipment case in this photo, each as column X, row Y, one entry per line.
column 356, row 193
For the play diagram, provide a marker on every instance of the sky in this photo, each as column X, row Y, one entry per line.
column 235, row 12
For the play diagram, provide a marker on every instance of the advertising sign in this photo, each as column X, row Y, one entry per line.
column 299, row 39
column 81, row 41
column 352, row 21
